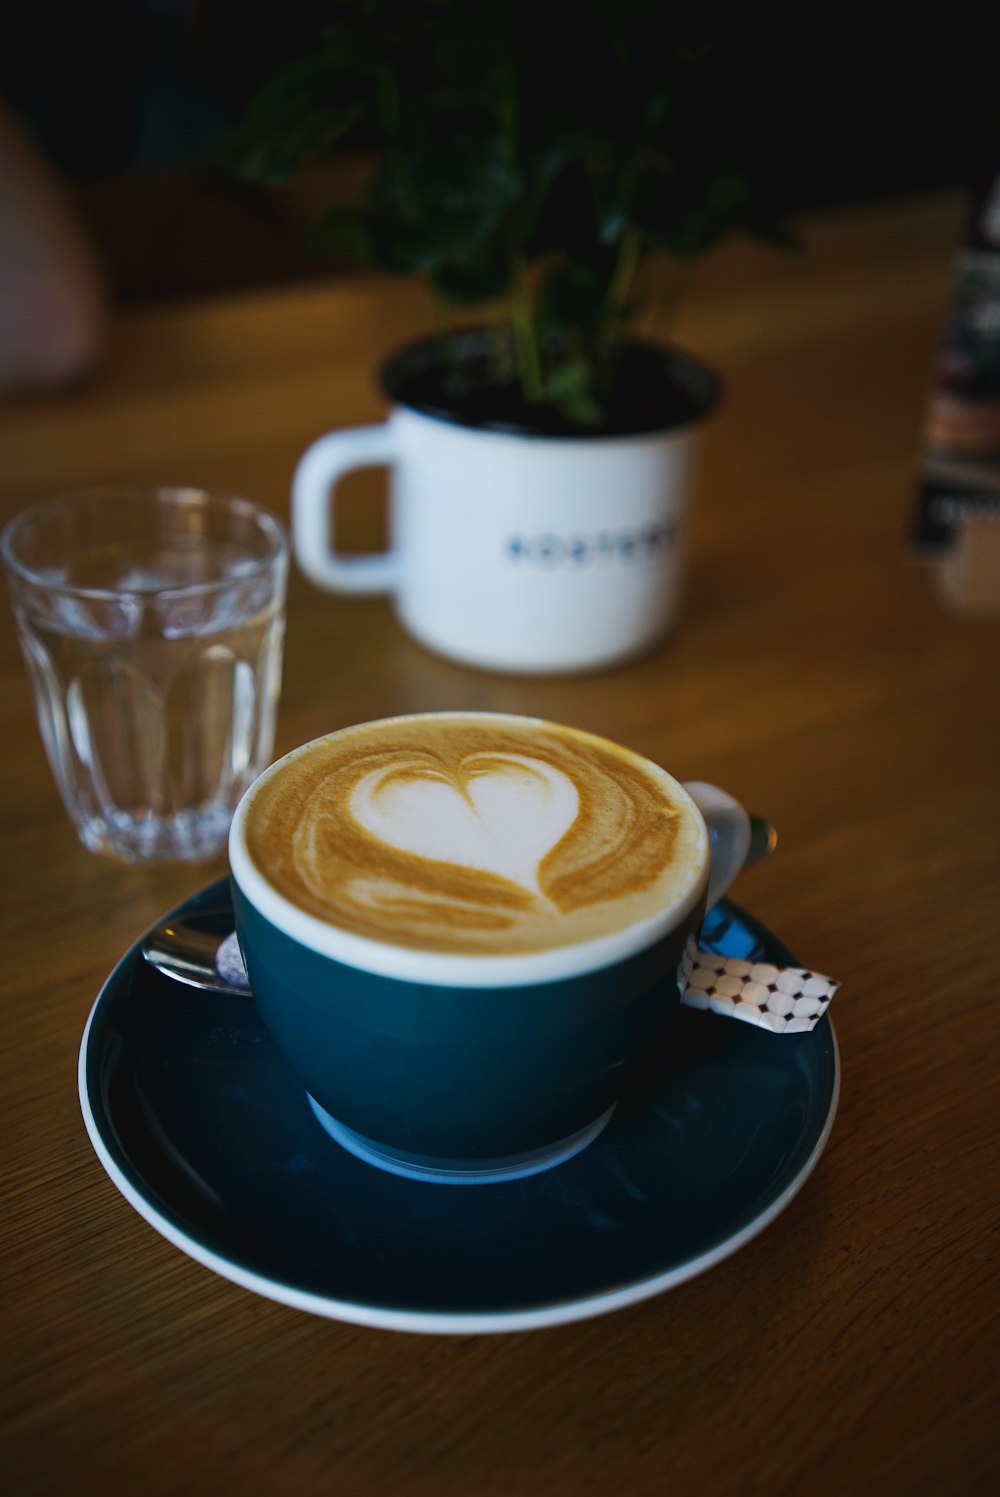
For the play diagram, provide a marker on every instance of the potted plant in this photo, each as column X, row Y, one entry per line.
column 543, row 164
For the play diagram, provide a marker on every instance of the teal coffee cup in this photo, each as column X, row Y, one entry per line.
column 464, row 931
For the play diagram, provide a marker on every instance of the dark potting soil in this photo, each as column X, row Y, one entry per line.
column 656, row 389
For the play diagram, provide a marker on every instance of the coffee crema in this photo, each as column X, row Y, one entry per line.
column 473, row 834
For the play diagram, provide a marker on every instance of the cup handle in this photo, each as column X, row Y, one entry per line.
column 313, row 487
column 728, row 834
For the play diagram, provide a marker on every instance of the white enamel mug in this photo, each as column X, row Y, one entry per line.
column 514, row 550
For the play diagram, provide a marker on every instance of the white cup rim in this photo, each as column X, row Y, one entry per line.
column 454, row 969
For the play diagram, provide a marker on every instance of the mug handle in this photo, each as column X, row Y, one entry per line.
column 313, row 486
column 728, row 835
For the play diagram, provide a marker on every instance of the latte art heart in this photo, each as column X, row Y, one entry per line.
column 499, row 814
column 474, row 833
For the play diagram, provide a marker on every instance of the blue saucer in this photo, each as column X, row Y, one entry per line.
column 202, row 1127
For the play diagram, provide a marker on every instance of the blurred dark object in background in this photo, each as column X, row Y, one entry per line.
column 130, row 98
column 956, row 519
column 964, row 416
column 53, row 300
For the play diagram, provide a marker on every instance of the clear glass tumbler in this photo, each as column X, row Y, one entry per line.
column 152, row 625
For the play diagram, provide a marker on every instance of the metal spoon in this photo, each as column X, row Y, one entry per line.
column 763, row 841
column 201, row 949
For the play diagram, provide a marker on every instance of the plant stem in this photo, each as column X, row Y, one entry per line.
column 525, row 339
column 623, row 276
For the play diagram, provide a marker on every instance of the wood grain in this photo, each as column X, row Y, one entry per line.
column 852, row 1346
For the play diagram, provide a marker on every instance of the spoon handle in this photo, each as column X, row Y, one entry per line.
column 187, row 950
column 763, row 841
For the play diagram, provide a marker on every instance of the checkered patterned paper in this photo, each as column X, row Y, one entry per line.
column 784, row 1000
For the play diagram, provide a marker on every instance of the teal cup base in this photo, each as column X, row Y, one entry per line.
column 458, row 1171
column 462, row 1079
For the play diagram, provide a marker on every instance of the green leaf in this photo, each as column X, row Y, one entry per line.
column 299, row 114
column 442, row 198
column 482, row 275
column 574, row 295
column 537, row 153
column 343, row 232
column 567, row 385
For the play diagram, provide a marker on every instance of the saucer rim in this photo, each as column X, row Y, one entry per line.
column 434, row 1322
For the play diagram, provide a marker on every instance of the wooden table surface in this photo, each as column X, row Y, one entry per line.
column 850, row 1347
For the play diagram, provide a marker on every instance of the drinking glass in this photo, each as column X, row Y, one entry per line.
column 152, row 625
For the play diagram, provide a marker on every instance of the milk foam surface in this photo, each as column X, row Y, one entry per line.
column 504, row 815
column 474, row 834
